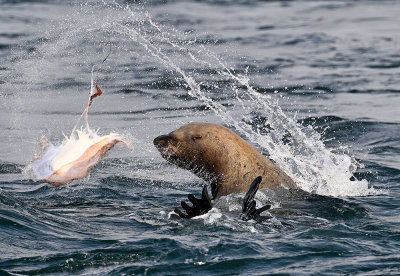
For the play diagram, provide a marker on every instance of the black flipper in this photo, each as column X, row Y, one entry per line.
column 199, row 207
column 249, row 210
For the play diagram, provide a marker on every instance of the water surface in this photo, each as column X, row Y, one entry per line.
column 313, row 85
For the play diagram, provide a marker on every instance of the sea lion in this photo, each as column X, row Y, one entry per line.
column 220, row 157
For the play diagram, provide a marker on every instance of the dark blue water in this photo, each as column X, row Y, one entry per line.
column 314, row 85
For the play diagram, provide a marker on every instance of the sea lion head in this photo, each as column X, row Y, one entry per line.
column 194, row 147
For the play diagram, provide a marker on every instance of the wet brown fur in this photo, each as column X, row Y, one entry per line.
column 221, row 157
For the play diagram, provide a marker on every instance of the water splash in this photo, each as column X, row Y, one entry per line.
column 299, row 151
column 305, row 158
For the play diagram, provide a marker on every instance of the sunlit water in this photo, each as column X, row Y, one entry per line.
column 311, row 84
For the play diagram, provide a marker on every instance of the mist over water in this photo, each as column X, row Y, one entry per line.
column 311, row 85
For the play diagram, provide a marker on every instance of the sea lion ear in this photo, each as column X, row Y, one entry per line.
column 249, row 210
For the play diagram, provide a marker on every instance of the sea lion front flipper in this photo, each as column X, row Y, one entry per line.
column 249, row 210
column 200, row 206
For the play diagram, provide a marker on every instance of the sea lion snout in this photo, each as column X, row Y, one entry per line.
column 161, row 141
column 165, row 145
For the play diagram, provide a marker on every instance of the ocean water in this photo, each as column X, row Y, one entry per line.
column 313, row 85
